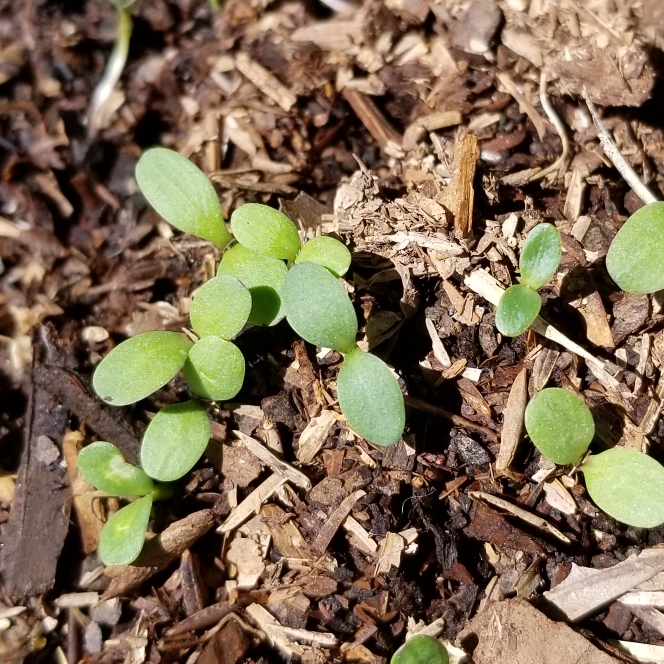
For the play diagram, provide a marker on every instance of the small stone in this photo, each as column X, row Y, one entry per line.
column 475, row 30
column 94, row 334
column 92, row 638
column 470, row 451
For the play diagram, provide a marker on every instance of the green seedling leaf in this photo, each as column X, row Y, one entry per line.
column 214, row 369
column 175, row 440
column 540, row 255
column 139, row 366
column 220, row 307
column 517, row 309
column 179, row 191
column 560, row 424
column 264, row 277
column 421, row 649
column 635, row 259
column 328, row 252
column 265, row 230
column 318, row 308
column 103, row 465
column 628, row 485
column 124, row 533
column 370, row 398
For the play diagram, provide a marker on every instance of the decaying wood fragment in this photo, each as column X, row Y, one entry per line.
column 204, row 618
column 265, row 81
column 288, row 539
column 513, row 416
column 158, row 553
column 587, row 590
column 335, row 520
column 359, row 537
column 390, row 553
column 460, row 195
column 314, row 436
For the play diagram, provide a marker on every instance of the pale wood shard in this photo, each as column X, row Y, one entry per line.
column 245, row 562
column 513, row 416
column 359, row 537
column 460, row 195
column 645, row 653
column 534, row 520
column 383, row 132
column 559, row 497
column 587, row 590
column 432, row 122
column 652, row 598
column 274, row 462
column 252, row 503
column 314, row 436
column 265, row 81
column 598, row 329
column 527, row 107
column 334, row 521
column 390, row 553
column 438, row 348
column 288, row 540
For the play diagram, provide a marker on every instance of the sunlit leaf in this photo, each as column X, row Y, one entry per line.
column 179, row 191
column 540, row 255
column 370, row 398
column 139, row 366
column 318, row 308
column 421, row 649
column 560, row 424
column 175, row 440
column 220, row 307
column 517, row 309
column 628, row 485
column 635, row 259
column 328, row 252
column 264, row 277
column 265, row 230
column 214, row 369
column 103, row 465
column 124, row 533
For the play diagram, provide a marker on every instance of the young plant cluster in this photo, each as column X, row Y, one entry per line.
column 625, row 483
column 421, row 649
column 520, row 304
column 264, row 277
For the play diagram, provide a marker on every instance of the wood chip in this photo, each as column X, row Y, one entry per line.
column 598, row 329
column 438, row 348
column 334, row 521
column 288, row 540
column 527, row 107
column 390, row 553
column 270, row 459
column 265, row 81
column 359, row 537
column 513, row 416
column 252, row 503
column 314, row 436
column 460, row 195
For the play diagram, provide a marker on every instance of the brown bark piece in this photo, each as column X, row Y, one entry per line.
column 228, row 646
column 630, row 313
column 39, row 518
column 460, row 195
column 598, row 330
column 516, row 632
column 288, row 540
column 513, row 416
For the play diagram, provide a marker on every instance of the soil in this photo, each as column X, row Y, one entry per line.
column 425, row 135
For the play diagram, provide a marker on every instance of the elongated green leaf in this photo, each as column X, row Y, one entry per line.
column 628, row 485
column 139, row 366
column 214, row 369
column 517, row 309
column 328, row 252
column 124, row 533
column 103, row 465
column 264, row 277
column 265, row 230
column 560, row 424
column 635, row 259
column 540, row 255
column 179, row 191
column 318, row 308
column 220, row 307
column 370, row 398
column 175, row 440
column 421, row 649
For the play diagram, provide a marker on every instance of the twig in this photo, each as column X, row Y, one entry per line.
column 613, row 153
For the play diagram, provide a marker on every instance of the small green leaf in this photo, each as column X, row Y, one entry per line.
column 421, row 649
column 103, row 465
column 265, row 230
column 370, row 398
column 214, row 369
column 124, row 533
column 517, row 309
column 139, row 366
column 560, row 424
column 179, row 191
column 540, row 255
column 628, row 485
column 264, row 277
column 328, row 252
column 175, row 440
column 220, row 307
column 635, row 259
column 318, row 308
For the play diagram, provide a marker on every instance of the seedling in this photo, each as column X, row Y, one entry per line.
column 421, row 649
column 520, row 304
column 628, row 485
column 253, row 285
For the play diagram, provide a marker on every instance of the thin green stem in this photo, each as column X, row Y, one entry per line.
column 163, row 491
column 214, row 5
